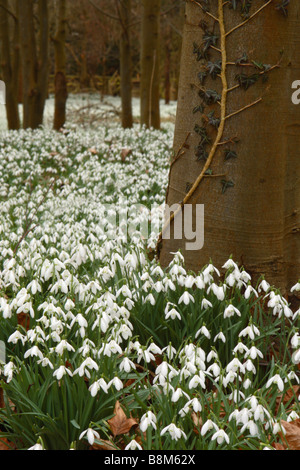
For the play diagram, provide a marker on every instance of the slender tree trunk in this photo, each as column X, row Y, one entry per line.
column 10, row 63
column 35, row 62
column 168, row 51
column 247, row 173
column 150, row 55
column 125, row 64
column 61, row 92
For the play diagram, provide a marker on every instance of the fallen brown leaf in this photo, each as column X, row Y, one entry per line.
column 5, row 444
column 24, row 320
column 289, row 396
column 93, row 151
column 124, row 154
column 105, row 445
column 120, row 424
column 291, row 439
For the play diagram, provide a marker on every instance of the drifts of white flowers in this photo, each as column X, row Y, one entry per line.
column 107, row 323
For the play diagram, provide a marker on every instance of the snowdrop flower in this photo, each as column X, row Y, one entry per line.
column 253, row 352
column 249, row 366
column 9, row 370
column 33, row 352
column 116, row 382
column 195, row 404
column 276, row 379
column 34, row 287
column 178, row 393
column 175, row 432
column 198, row 379
column 170, row 351
column 219, row 291
column 133, row 445
column 208, row 426
column 252, row 427
column 296, row 287
column 60, row 348
column 240, row 348
column 61, row 371
column 296, row 357
column 295, row 341
column 292, row 416
column 235, row 365
column 37, row 447
column 186, row 298
column 91, row 434
column 220, row 336
column 259, row 413
column 87, row 363
column 278, row 428
column 249, row 291
column 247, row 384
column 205, row 304
column 203, row 330
column 230, row 311
column 236, row 396
column 263, row 286
column 148, row 419
column 215, row 369
column 127, row 365
column 230, row 264
column 45, row 362
column 15, row 337
column 173, row 314
column 220, row 436
column 250, row 331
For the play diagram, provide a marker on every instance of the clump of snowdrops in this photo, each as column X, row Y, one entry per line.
column 103, row 346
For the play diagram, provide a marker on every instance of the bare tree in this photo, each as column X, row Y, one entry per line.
column 35, row 60
column 150, row 63
column 61, row 92
column 10, row 59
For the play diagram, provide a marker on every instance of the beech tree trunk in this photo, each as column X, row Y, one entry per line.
column 125, row 64
column 10, row 61
column 35, row 61
column 150, row 73
column 248, row 174
column 61, row 92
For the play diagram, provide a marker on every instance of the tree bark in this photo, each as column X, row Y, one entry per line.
column 125, row 64
column 61, row 92
column 150, row 55
column 251, row 202
column 35, row 61
column 10, row 62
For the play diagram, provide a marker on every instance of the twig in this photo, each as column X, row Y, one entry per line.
column 248, row 19
column 242, row 109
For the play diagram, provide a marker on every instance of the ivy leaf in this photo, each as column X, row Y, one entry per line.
column 246, row 81
column 283, row 7
column 212, row 120
column 209, row 39
column 199, row 108
column 226, row 184
column 209, row 96
column 230, row 154
column 242, row 60
column 202, row 76
column 214, row 68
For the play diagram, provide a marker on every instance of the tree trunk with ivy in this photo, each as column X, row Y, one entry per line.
column 10, row 60
column 150, row 73
column 237, row 137
column 61, row 91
